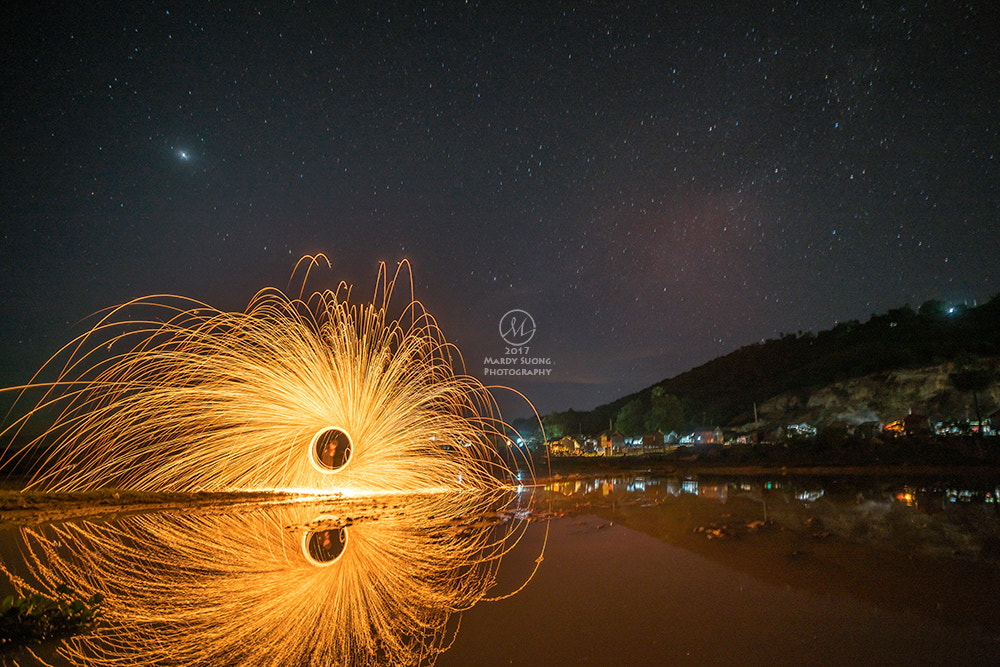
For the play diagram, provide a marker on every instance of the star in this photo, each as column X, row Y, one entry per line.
column 708, row 198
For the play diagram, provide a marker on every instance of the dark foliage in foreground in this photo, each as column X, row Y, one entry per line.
column 31, row 619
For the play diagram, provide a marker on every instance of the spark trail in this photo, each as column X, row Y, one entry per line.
column 236, row 586
column 310, row 393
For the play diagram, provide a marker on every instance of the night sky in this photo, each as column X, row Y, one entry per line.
column 657, row 186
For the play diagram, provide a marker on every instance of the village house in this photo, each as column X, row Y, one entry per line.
column 565, row 446
column 611, row 442
column 707, row 436
column 652, row 441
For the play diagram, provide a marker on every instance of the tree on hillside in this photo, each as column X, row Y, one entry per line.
column 665, row 411
column 631, row 418
column 933, row 308
column 554, row 424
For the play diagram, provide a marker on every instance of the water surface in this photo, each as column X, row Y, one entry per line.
column 686, row 571
column 625, row 570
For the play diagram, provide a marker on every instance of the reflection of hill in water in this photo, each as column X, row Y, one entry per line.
column 936, row 551
column 272, row 586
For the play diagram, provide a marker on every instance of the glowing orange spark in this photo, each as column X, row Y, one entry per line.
column 312, row 393
column 233, row 586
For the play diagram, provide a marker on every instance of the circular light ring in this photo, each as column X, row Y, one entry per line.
column 324, row 547
column 330, row 449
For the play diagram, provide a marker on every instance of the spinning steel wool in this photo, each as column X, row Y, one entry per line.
column 295, row 393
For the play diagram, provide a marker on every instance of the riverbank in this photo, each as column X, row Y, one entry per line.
column 581, row 466
column 34, row 507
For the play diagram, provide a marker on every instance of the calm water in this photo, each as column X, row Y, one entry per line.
column 629, row 570
column 673, row 571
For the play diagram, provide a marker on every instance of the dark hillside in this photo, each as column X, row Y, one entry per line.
column 724, row 390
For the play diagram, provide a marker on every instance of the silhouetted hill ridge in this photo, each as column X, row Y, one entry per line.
column 724, row 390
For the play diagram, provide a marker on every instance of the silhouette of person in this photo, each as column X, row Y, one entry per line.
column 328, row 452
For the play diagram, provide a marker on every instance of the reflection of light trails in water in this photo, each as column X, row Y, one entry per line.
column 210, row 400
column 236, row 589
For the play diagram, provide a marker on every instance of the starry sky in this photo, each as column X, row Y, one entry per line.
column 657, row 184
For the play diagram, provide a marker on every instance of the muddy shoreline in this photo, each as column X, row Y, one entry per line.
column 33, row 507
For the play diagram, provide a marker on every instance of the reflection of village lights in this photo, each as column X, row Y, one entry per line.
column 202, row 399
column 236, row 588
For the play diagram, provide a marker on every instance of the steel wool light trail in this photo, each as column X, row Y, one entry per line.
column 233, row 586
column 311, row 393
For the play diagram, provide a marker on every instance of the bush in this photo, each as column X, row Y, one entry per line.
column 35, row 618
